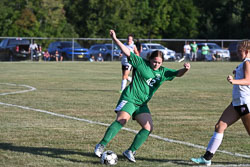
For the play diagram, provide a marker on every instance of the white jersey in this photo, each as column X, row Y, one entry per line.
column 187, row 49
column 241, row 93
column 33, row 46
column 124, row 60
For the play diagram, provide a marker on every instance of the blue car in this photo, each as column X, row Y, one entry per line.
column 69, row 50
column 106, row 51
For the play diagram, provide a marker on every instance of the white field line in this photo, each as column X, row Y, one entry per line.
column 104, row 124
column 22, row 91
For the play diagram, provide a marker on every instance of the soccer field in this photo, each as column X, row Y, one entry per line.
column 53, row 114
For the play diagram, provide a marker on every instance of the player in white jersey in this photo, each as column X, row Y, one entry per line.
column 238, row 109
column 126, row 67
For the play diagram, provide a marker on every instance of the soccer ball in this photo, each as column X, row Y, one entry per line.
column 109, row 158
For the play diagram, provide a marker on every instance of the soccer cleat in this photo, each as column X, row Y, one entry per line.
column 129, row 155
column 201, row 161
column 99, row 149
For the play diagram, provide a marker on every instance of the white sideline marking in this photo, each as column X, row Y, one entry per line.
column 104, row 124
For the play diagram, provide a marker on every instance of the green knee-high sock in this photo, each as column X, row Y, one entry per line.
column 139, row 139
column 112, row 130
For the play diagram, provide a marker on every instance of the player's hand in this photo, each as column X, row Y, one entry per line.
column 187, row 66
column 112, row 34
column 230, row 79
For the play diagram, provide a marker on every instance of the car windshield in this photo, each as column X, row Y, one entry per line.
column 110, row 47
column 19, row 42
column 213, row 46
column 69, row 45
column 156, row 47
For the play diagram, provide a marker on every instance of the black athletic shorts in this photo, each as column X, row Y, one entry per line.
column 242, row 109
column 126, row 67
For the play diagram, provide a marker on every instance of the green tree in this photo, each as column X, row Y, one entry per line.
column 145, row 19
column 245, row 24
column 221, row 19
column 43, row 18
column 152, row 18
column 10, row 12
column 94, row 18
column 51, row 18
column 184, row 20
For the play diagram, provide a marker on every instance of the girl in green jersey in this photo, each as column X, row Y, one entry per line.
column 148, row 75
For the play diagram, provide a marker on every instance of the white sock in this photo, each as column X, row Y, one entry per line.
column 129, row 79
column 124, row 84
column 215, row 142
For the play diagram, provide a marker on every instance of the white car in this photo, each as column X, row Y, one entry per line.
column 214, row 49
column 148, row 48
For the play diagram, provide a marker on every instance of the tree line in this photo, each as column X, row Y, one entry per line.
column 161, row 19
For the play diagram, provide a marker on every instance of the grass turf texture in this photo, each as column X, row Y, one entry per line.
column 185, row 109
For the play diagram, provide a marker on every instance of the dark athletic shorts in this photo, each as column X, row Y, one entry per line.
column 242, row 109
column 127, row 67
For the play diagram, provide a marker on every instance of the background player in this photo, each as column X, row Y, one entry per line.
column 239, row 108
column 126, row 67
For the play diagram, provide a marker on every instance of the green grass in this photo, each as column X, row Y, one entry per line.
column 185, row 109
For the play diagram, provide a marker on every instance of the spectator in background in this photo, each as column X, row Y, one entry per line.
column 194, row 49
column 217, row 56
column 33, row 48
column 187, row 52
column 92, row 59
column 58, row 56
column 138, row 45
column 100, row 58
column 205, row 53
column 46, row 56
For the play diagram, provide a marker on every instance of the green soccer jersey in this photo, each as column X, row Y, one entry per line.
column 193, row 47
column 145, row 80
column 204, row 50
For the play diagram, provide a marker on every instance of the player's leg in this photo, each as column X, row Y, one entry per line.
column 129, row 77
column 228, row 117
column 121, row 119
column 114, row 128
column 195, row 56
column 124, row 110
column 125, row 74
column 145, row 120
column 245, row 117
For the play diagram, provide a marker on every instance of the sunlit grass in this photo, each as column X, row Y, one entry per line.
column 185, row 109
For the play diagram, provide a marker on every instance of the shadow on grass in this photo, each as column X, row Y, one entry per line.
column 188, row 162
column 48, row 152
column 170, row 161
column 60, row 153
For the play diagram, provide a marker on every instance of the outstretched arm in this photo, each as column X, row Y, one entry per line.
column 123, row 48
column 182, row 71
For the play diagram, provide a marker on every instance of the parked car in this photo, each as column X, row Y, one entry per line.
column 105, row 50
column 67, row 49
column 214, row 49
column 148, row 48
column 14, row 49
column 233, row 51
